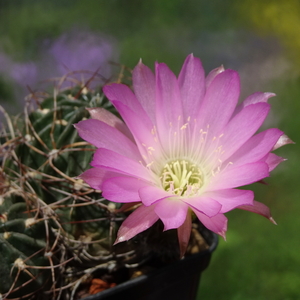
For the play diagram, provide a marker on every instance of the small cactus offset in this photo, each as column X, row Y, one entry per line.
column 56, row 232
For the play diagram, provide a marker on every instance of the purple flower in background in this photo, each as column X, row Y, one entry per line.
column 72, row 59
column 185, row 147
column 82, row 51
column 5, row 63
column 17, row 77
column 77, row 53
column 24, row 73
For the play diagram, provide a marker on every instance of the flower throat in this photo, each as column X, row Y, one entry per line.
column 181, row 178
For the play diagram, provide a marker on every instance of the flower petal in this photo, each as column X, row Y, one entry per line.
column 242, row 127
column 150, row 194
column 212, row 74
column 122, row 189
column 142, row 130
column 96, row 176
column 283, row 140
column 256, row 147
column 257, row 97
column 184, row 233
column 169, row 113
column 102, row 114
column 140, row 220
column 129, row 108
column 102, row 135
column 206, row 205
column 235, row 177
column 144, row 88
column 168, row 97
column 231, row 198
column 273, row 161
column 191, row 84
column 122, row 93
column 116, row 162
column 172, row 212
column 219, row 102
column 217, row 224
column 259, row 208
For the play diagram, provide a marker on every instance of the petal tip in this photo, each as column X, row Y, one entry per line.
column 272, row 220
column 269, row 95
column 220, row 69
column 119, row 239
column 282, row 141
column 223, row 235
column 91, row 110
column 190, row 57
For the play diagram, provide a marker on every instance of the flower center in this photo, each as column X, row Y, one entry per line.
column 182, row 178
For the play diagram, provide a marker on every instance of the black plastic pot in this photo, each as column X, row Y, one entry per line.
column 177, row 281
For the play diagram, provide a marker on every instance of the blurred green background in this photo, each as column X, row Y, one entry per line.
column 258, row 38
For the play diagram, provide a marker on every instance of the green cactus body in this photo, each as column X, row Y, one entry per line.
column 49, row 220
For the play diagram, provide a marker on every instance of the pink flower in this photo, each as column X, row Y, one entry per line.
column 185, row 147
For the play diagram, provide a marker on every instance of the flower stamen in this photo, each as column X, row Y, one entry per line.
column 182, row 178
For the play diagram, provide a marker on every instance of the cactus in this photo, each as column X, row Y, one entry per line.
column 55, row 231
